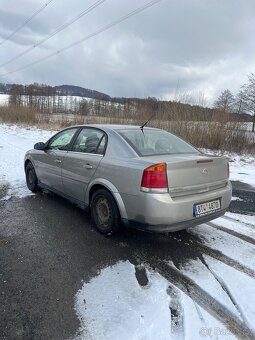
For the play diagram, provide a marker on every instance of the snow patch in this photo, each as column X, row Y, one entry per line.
column 4, row 99
column 234, row 198
column 14, row 142
column 114, row 306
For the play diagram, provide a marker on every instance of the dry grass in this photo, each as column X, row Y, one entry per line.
column 217, row 134
column 212, row 135
column 17, row 115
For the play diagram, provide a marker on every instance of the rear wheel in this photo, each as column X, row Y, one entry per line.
column 104, row 212
column 31, row 178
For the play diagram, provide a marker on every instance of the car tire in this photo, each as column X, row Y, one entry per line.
column 31, row 178
column 104, row 212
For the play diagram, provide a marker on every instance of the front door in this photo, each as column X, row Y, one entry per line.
column 49, row 161
column 80, row 164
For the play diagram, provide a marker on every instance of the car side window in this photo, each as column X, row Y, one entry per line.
column 62, row 140
column 88, row 141
column 101, row 146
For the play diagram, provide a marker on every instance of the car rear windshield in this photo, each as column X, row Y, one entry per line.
column 149, row 142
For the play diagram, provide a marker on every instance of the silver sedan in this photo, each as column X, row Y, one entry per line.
column 129, row 175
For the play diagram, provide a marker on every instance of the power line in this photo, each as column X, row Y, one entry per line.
column 77, row 42
column 59, row 29
column 26, row 22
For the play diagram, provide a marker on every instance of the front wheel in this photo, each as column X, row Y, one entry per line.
column 104, row 212
column 31, row 178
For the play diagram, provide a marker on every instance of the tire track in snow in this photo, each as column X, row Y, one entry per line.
column 226, row 290
column 218, row 255
column 237, row 220
column 200, row 315
column 225, row 248
column 203, row 298
column 232, row 232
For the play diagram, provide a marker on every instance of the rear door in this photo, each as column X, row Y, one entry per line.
column 79, row 164
column 49, row 161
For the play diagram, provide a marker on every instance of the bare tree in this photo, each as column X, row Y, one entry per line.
column 84, row 107
column 16, row 92
column 249, row 96
column 225, row 101
column 239, row 104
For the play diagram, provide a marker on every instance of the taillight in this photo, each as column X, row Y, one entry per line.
column 228, row 170
column 155, row 178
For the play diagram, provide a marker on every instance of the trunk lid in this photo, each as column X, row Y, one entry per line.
column 193, row 173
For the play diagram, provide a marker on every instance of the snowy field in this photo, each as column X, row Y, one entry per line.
column 4, row 99
column 209, row 297
column 66, row 100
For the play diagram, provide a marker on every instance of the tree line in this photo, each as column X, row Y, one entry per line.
column 48, row 99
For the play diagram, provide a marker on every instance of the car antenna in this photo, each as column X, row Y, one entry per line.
column 152, row 116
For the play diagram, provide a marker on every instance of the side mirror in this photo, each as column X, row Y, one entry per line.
column 39, row 146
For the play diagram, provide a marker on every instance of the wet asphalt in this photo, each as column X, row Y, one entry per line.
column 48, row 249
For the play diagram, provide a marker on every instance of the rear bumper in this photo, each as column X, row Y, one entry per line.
column 161, row 228
column 162, row 213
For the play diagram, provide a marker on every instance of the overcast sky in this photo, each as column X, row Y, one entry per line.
column 196, row 47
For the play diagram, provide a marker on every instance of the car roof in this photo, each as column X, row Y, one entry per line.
column 114, row 127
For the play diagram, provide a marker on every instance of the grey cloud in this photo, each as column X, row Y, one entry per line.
column 192, row 45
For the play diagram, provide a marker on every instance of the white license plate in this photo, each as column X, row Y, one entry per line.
column 206, row 208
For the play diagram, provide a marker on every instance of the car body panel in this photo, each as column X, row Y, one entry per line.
column 162, row 209
column 193, row 169
column 48, row 167
column 120, row 171
column 77, row 171
column 51, row 165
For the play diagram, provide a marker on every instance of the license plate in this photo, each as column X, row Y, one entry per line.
column 206, row 208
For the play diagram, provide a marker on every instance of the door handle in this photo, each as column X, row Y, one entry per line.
column 87, row 166
column 58, row 161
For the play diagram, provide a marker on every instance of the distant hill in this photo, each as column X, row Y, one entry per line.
column 72, row 90
column 69, row 90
